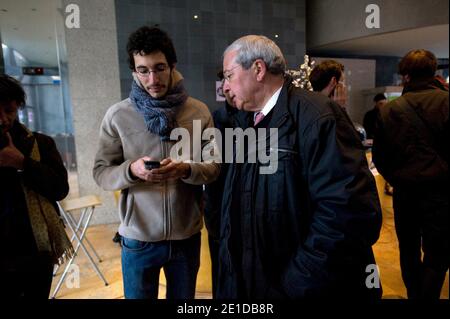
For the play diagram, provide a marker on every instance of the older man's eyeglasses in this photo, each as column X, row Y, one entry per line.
column 145, row 73
column 227, row 74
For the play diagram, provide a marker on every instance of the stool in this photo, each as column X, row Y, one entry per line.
column 87, row 206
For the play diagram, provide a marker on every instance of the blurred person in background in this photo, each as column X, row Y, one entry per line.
column 410, row 150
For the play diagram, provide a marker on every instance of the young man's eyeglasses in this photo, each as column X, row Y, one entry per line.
column 144, row 72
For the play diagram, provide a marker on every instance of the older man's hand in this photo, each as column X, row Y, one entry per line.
column 171, row 170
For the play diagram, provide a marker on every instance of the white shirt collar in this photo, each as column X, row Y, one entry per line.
column 271, row 103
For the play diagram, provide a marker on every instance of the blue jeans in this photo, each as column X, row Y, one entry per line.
column 142, row 262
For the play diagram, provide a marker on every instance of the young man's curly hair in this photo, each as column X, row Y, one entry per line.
column 146, row 40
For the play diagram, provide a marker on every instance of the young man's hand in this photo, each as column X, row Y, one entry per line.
column 138, row 170
column 169, row 170
column 10, row 156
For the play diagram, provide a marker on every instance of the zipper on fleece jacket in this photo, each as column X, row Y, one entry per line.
column 164, row 204
column 167, row 199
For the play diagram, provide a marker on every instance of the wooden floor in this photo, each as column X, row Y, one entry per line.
column 91, row 286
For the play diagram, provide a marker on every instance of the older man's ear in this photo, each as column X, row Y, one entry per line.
column 260, row 69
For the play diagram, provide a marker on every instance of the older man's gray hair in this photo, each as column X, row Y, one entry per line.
column 252, row 47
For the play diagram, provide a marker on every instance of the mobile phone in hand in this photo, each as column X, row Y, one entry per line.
column 149, row 165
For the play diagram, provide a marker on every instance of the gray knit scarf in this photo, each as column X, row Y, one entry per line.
column 159, row 115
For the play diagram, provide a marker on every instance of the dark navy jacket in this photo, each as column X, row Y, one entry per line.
column 308, row 229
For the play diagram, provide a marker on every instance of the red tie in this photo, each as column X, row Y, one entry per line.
column 258, row 118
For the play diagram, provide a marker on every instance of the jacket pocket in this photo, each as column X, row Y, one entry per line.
column 276, row 182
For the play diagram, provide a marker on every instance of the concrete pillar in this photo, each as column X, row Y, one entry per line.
column 94, row 86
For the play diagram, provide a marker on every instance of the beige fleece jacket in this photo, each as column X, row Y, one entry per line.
column 152, row 211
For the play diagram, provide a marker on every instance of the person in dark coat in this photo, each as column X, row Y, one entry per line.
column 411, row 152
column 223, row 119
column 370, row 117
column 369, row 121
column 32, row 179
column 306, row 228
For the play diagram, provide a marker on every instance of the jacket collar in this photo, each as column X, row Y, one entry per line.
column 280, row 111
column 427, row 84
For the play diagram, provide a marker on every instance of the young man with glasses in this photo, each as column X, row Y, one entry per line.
column 160, row 197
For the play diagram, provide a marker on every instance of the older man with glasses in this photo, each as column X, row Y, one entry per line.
column 160, row 197
column 307, row 229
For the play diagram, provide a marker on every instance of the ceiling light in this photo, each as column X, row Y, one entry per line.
column 276, row 35
column 195, row 16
